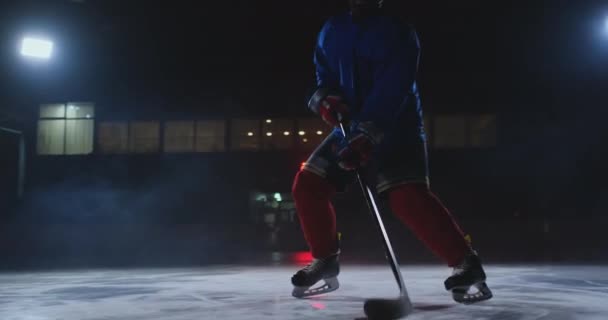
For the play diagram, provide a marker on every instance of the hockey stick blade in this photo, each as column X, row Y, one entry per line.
column 387, row 309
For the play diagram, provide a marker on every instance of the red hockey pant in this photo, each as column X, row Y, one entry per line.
column 414, row 204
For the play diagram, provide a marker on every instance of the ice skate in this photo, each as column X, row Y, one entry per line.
column 326, row 269
column 467, row 276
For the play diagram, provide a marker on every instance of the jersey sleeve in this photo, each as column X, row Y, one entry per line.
column 325, row 83
column 324, row 75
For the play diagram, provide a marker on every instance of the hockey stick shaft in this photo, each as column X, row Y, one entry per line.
column 388, row 248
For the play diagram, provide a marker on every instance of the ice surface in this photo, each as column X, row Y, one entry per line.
column 520, row 292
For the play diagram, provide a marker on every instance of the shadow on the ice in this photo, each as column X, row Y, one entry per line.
column 422, row 307
column 418, row 307
column 432, row 307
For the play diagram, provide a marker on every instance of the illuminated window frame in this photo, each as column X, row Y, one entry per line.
column 68, row 120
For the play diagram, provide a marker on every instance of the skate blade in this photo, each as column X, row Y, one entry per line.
column 462, row 295
column 331, row 284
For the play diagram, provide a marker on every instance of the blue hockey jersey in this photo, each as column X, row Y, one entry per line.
column 373, row 64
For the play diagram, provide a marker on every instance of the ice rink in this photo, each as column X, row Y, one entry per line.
column 520, row 292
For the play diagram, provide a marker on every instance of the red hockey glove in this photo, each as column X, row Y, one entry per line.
column 333, row 110
column 330, row 106
column 356, row 152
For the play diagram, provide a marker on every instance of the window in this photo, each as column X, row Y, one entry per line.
column 477, row 131
column 144, row 136
column 450, row 132
column 51, row 137
column 311, row 132
column 66, row 129
column 113, row 137
column 210, row 136
column 245, row 135
column 52, row 111
column 179, row 136
column 483, row 131
column 278, row 134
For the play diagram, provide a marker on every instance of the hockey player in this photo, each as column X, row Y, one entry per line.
column 366, row 65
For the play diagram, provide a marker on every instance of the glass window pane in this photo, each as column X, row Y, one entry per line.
column 144, row 137
column 112, row 137
column 311, row 132
column 450, row 132
column 179, row 136
column 245, row 134
column 483, row 131
column 277, row 134
column 56, row 110
column 51, row 135
column 210, row 136
column 80, row 110
column 79, row 136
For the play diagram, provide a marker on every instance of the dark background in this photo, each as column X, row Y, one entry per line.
column 540, row 66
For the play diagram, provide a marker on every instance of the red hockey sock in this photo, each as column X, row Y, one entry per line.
column 312, row 195
column 418, row 208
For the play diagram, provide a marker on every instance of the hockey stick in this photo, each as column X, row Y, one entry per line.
column 383, row 308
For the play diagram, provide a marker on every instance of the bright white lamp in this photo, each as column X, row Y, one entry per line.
column 36, row 48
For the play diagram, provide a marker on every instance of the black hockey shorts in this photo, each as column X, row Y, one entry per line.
column 395, row 162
